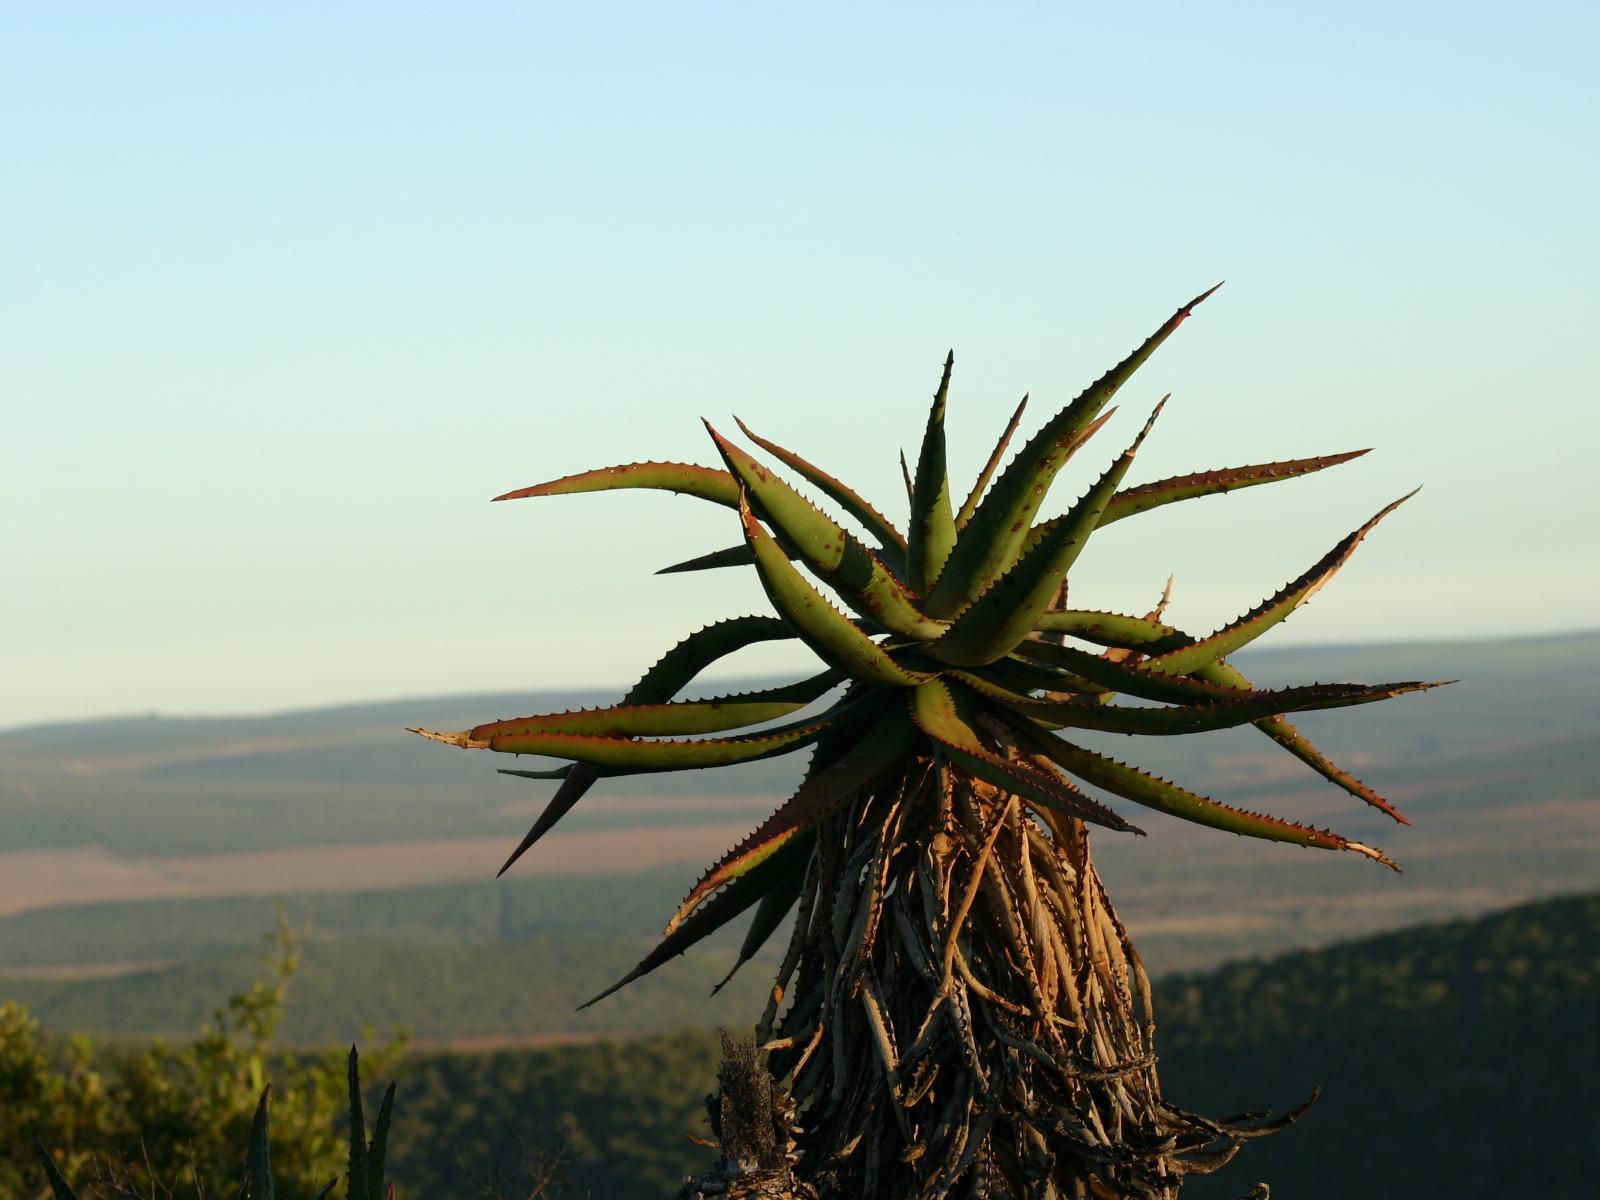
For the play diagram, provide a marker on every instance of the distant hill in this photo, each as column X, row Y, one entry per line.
column 195, row 785
column 1459, row 1060
column 1501, row 774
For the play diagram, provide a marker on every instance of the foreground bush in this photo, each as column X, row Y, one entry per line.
column 168, row 1121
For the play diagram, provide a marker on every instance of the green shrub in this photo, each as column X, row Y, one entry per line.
column 163, row 1120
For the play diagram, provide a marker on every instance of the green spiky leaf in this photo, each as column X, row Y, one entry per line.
column 996, row 456
column 989, row 544
column 993, row 624
column 932, row 526
column 713, row 715
column 828, row 632
column 883, row 747
column 770, row 912
column 730, row 556
column 1147, row 496
column 860, row 579
column 1296, row 743
column 685, row 478
column 256, row 1180
column 891, row 542
column 610, row 756
column 716, row 912
column 1150, row 636
column 1164, row 796
column 358, row 1183
column 378, row 1151
column 1127, row 679
column 1204, row 717
column 674, row 671
column 1271, row 611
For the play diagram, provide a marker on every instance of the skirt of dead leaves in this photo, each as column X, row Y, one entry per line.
column 965, row 1017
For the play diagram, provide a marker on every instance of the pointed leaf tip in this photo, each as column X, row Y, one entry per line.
column 460, row 737
column 1149, row 424
column 891, row 541
column 1375, row 854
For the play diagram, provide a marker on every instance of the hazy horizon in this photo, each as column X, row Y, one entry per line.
column 711, row 678
column 288, row 294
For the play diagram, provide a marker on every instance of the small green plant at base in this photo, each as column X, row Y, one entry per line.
column 365, row 1180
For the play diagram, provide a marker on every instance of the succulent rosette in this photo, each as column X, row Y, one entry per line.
column 943, row 735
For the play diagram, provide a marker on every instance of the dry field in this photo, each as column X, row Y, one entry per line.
column 37, row 879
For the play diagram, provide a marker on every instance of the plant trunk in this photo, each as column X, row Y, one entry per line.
column 968, row 1017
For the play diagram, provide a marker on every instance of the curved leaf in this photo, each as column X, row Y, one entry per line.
column 712, row 715
column 891, row 541
column 1213, row 483
column 1296, row 743
column 827, row 631
column 883, row 748
column 1118, row 630
column 705, row 482
column 1128, row 679
column 992, row 539
column 1271, row 611
column 1204, row 717
column 1020, row 674
column 378, row 1152
column 1165, row 796
column 625, row 756
column 1138, row 633
column 993, row 624
column 672, row 672
column 844, row 564
column 712, row 915
column 770, row 912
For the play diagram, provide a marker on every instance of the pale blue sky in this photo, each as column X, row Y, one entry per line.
column 287, row 292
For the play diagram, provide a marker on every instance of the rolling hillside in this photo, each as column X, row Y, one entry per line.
column 116, row 837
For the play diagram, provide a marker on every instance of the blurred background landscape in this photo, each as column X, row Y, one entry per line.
column 145, row 859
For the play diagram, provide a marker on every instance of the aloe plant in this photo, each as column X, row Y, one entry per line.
column 958, row 1010
column 366, row 1178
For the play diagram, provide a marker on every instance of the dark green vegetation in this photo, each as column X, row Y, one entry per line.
column 1458, row 1060
column 435, row 991
column 123, row 1121
column 1447, row 1054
